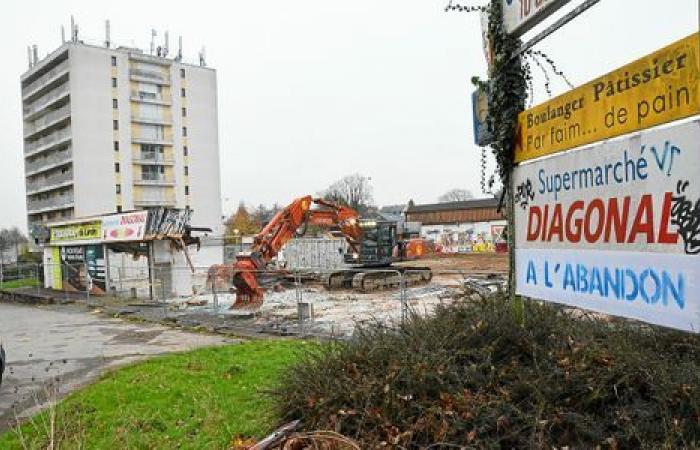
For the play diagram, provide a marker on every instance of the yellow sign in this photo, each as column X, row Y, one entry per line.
column 56, row 276
column 659, row 88
column 77, row 232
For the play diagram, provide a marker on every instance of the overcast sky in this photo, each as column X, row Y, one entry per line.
column 312, row 90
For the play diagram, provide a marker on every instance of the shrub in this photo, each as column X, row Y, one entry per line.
column 470, row 375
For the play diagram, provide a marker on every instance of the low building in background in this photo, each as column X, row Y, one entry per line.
column 460, row 227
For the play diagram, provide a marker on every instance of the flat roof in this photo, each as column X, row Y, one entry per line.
column 476, row 203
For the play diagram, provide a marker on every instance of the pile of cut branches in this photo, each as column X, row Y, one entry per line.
column 470, row 375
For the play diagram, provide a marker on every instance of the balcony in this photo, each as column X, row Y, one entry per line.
column 151, row 202
column 154, row 179
column 47, row 120
column 151, row 140
column 149, row 76
column 149, row 97
column 153, row 158
column 55, row 181
column 45, row 79
column 47, row 142
column 48, row 204
column 152, row 120
column 45, row 100
column 55, row 159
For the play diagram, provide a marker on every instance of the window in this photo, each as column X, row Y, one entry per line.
column 184, row 112
column 119, row 189
column 187, row 170
column 115, row 124
column 182, row 73
column 184, row 131
column 115, row 103
column 114, row 82
column 114, row 61
column 184, row 150
column 116, row 146
column 161, row 169
column 153, row 132
column 182, row 92
column 119, row 208
column 116, row 167
column 187, row 190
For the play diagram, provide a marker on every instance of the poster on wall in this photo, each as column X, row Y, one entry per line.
column 615, row 227
column 79, row 261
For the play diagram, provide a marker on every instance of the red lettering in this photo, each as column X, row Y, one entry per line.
column 665, row 236
column 617, row 219
column 545, row 220
column 574, row 236
column 644, row 220
column 557, row 226
column 535, row 212
column 593, row 236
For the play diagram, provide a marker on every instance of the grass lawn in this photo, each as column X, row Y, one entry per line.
column 197, row 400
column 23, row 282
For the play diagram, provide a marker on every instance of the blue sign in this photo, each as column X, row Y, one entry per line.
column 483, row 134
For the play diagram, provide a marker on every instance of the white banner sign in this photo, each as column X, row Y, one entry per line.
column 124, row 227
column 615, row 227
column 519, row 16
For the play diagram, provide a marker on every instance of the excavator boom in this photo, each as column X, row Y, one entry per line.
column 284, row 226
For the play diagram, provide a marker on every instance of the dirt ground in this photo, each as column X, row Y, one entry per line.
column 470, row 263
column 335, row 313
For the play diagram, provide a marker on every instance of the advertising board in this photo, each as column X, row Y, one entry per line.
column 656, row 89
column 615, row 227
column 77, row 232
column 520, row 16
column 124, row 227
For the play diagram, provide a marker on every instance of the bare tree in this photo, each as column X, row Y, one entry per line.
column 351, row 190
column 11, row 238
column 455, row 195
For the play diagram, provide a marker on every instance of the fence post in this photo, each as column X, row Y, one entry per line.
column 298, row 294
column 404, row 304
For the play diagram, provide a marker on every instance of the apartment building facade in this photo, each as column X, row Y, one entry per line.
column 115, row 129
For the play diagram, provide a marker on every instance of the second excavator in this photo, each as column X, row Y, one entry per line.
column 373, row 246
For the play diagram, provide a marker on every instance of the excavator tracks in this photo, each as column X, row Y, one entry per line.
column 368, row 280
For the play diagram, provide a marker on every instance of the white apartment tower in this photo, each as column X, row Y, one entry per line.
column 116, row 129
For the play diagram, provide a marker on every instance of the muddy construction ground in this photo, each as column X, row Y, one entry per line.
column 332, row 313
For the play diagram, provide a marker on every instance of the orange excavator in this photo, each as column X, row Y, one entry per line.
column 372, row 247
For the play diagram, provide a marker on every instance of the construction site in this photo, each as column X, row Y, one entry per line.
column 353, row 271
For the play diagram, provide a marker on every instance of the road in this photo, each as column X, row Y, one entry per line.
column 67, row 347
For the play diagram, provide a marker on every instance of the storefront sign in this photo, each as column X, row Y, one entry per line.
column 659, row 88
column 124, row 227
column 88, row 231
column 520, row 16
column 615, row 228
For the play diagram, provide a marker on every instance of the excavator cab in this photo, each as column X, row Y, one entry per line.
column 377, row 248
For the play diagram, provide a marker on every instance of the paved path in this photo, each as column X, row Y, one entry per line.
column 43, row 343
